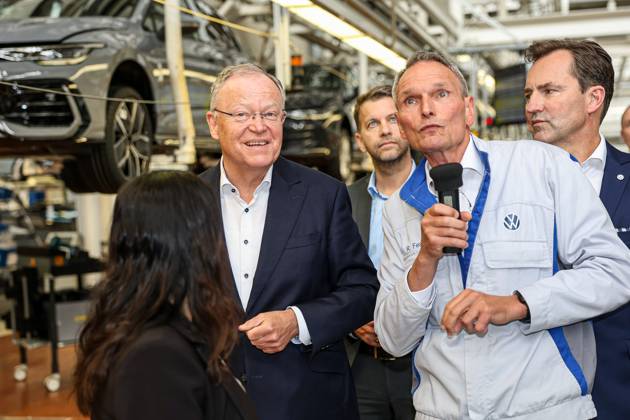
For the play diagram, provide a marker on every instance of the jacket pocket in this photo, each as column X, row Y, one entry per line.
column 511, row 265
column 517, row 254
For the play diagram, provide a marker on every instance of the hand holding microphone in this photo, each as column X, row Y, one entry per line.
column 443, row 227
column 447, row 180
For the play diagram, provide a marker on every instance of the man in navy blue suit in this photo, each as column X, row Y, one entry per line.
column 301, row 271
column 568, row 91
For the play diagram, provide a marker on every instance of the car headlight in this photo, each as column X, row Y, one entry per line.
column 50, row 55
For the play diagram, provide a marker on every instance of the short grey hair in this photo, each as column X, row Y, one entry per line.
column 422, row 56
column 239, row 69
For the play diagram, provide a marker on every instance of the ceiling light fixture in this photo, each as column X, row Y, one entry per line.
column 347, row 33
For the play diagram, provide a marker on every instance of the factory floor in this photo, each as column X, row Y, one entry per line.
column 30, row 399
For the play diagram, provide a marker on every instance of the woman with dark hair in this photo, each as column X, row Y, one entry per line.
column 164, row 319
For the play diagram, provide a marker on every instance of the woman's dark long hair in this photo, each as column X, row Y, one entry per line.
column 166, row 247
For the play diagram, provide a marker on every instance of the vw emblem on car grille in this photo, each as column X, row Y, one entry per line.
column 511, row 222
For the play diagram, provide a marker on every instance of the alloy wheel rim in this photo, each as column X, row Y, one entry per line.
column 131, row 138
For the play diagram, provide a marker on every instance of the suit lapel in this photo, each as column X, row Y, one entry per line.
column 286, row 197
column 213, row 178
column 364, row 212
column 617, row 166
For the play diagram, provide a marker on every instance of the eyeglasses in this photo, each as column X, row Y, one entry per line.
column 241, row 116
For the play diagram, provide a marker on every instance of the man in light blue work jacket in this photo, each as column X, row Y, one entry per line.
column 497, row 331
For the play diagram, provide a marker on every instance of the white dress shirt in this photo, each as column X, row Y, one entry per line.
column 593, row 167
column 243, row 225
column 472, row 177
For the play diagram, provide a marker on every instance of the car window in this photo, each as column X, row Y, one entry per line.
column 115, row 8
column 154, row 21
column 21, row 9
column 229, row 35
column 324, row 77
column 215, row 30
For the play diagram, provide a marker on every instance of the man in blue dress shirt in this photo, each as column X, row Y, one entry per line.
column 382, row 381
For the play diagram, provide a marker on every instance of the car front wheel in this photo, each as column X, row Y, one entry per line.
column 340, row 165
column 126, row 151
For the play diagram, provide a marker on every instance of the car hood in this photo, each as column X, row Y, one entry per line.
column 311, row 100
column 52, row 30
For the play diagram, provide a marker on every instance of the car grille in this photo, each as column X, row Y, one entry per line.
column 34, row 108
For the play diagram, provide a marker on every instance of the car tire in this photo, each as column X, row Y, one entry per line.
column 126, row 151
column 340, row 166
column 74, row 178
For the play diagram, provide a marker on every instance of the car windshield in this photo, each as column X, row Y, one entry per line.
column 323, row 77
column 21, row 9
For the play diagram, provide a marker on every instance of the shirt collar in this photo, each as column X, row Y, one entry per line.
column 470, row 160
column 373, row 191
column 225, row 182
column 599, row 154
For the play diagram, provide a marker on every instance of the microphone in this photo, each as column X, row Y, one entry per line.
column 447, row 179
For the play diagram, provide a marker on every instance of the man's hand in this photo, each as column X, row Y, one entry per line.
column 473, row 311
column 441, row 226
column 271, row 331
column 367, row 334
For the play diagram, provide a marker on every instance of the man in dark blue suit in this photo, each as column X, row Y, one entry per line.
column 302, row 274
column 568, row 91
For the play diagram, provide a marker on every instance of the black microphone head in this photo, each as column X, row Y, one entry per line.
column 447, row 177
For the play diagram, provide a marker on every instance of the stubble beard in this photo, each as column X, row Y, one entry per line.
column 391, row 162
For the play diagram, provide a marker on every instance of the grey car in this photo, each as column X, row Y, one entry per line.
column 61, row 59
column 319, row 125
